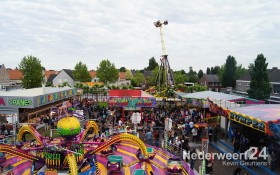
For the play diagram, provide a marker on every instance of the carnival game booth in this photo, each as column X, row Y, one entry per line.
column 27, row 105
column 131, row 100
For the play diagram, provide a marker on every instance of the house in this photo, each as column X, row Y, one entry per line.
column 15, row 76
column 211, row 81
column 122, row 80
column 4, row 74
column 122, row 76
column 93, row 76
column 243, row 84
column 4, row 77
column 65, row 75
column 47, row 74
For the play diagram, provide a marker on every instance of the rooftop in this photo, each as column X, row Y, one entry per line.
column 210, row 94
column 264, row 112
column 33, row 92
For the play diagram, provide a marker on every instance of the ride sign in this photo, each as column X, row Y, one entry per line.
column 20, row 102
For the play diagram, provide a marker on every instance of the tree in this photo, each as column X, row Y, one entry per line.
column 200, row 74
column 259, row 86
column 229, row 77
column 221, row 72
column 128, row 74
column 49, row 84
column 230, row 72
column 180, row 78
column 122, row 69
column 215, row 70
column 208, row 71
column 31, row 69
column 81, row 72
column 107, row 72
column 196, row 88
column 152, row 64
column 193, row 76
column 138, row 79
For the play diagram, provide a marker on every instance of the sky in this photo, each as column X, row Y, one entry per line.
column 199, row 33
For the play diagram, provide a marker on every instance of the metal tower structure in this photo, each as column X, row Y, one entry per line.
column 165, row 77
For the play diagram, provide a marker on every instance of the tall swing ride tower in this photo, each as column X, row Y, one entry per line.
column 165, row 77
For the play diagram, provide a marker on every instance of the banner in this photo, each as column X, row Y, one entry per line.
column 132, row 103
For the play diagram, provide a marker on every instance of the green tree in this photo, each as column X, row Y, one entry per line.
column 260, row 88
column 122, row 69
column 229, row 77
column 81, row 73
column 107, row 72
column 196, row 88
column 230, row 72
column 215, row 70
column 31, row 69
column 221, row 72
column 180, row 78
column 208, row 71
column 138, row 78
column 200, row 74
column 152, row 64
column 128, row 74
column 49, row 84
column 192, row 76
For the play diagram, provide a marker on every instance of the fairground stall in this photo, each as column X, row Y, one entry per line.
column 227, row 101
column 27, row 105
column 264, row 118
column 131, row 100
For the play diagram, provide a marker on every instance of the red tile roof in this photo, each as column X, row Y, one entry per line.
column 49, row 72
column 15, row 74
column 92, row 73
column 122, row 75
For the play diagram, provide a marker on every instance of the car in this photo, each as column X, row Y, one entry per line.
column 115, row 163
column 174, row 166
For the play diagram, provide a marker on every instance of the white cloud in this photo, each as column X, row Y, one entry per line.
column 199, row 34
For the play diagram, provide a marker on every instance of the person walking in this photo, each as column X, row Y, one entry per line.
column 193, row 158
column 194, row 134
column 210, row 133
column 148, row 137
column 3, row 128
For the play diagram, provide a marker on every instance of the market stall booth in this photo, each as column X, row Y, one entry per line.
column 131, row 100
column 27, row 105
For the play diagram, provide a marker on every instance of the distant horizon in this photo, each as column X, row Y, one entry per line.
column 204, row 71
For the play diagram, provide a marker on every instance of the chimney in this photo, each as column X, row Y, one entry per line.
column 274, row 68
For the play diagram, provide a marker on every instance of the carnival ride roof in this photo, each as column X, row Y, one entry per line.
column 210, row 94
column 33, row 92
column 264, row 112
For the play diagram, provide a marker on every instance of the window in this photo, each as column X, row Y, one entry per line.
column 239, row 84
column 239, row 87
column 275, row 92
column 247, row 84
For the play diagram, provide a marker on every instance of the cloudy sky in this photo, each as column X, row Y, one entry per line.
column 200, row 33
